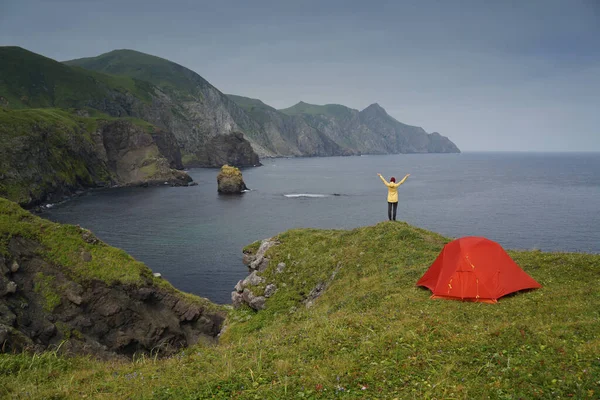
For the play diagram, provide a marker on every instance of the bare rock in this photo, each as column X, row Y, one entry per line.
column 252, row 280
column 73, row 292
column 108, row 309
column 14, row 267
column 9, row 287
column 247, row 259
column 280, row 267
column 237, row 299
column 89, row 237
column 258, row 302
column 239, row 287
column 270, row 290
column 260, row 263
column 3, row 334
column 74, row 298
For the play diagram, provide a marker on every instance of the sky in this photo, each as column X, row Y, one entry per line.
column 506, row 75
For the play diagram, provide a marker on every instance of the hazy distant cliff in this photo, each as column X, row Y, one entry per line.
column 210, row 128
column 332, row 129
column 303, row 130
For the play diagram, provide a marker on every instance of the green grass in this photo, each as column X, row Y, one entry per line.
column 172, row 78
column 29, row 80
column 372, row 334
column 46, row 287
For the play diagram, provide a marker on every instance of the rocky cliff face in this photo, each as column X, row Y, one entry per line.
column 196, row 112
column 49, row 302
column 196, row 124
column 133, row 156
column 200, row 117
column 310, row 130
column 46, row 154
column 183, row 103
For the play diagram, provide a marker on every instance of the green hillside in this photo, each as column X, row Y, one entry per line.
column 331, row 110
column 48, row 150
column 371, row 334
column 31, row 80
column 169, row 76
column 42, row 149
column 249, row 104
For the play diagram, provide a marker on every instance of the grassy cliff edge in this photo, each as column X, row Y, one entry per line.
column 370, row 334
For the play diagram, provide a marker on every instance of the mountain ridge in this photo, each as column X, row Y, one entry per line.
column 369, row 131
column 269, row 130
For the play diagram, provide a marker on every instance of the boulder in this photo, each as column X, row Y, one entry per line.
column 280, row 267
column 252, row 280
column 230, row 181
column 270, row 290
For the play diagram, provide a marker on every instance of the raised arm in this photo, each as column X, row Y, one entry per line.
column 403, row 179
column 383, row 179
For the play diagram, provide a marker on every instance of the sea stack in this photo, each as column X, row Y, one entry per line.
column 230, row 180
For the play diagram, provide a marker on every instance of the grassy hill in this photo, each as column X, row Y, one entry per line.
column 371, row 334
column 249, row 104
column 169, row 76
column 31, row 80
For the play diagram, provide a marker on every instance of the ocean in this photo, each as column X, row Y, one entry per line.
column 194, row 237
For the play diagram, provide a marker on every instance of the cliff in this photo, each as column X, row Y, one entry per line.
column 194, row 117
column 185, row 104
column 46, row 154
column 204, row 112
column 61, row 287
column 127, row 83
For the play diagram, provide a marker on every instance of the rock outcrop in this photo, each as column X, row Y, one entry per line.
column 186, row 104
column 47, row 154
column 45, row 304
column 348, row 131
column 230, row 181
column 224, row 149
column 134, row 157
column 243, row 293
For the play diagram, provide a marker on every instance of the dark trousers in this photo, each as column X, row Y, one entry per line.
column 392, row 207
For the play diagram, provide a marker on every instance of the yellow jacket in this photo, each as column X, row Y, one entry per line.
column 392, row 189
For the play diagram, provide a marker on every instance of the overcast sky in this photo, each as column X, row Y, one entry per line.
column 490, row 75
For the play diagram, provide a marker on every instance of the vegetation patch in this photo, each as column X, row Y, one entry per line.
column 371, row 334
column 35, row 81
column 45, row 285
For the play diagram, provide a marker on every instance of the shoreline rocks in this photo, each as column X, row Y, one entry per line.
column 256, row 263
column 43, row 306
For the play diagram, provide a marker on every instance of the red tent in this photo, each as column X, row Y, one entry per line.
column 475, row 269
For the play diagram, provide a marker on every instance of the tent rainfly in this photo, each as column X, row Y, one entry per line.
column 475, row 269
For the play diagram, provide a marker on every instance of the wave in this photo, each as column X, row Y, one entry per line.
column 305, row 195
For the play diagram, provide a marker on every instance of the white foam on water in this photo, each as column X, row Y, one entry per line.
column 305, row 195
